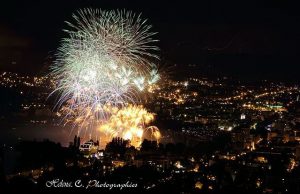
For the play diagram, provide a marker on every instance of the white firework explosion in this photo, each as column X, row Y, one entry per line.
column 106, row 60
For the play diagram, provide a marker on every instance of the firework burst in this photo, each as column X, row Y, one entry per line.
column 130, row 124
column 106, row 60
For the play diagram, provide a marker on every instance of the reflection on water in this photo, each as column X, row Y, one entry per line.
column 11, row 132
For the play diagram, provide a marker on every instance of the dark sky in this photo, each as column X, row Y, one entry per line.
column 247, row 39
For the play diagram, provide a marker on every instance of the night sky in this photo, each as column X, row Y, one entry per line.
column 249, row 40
